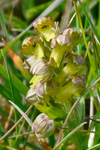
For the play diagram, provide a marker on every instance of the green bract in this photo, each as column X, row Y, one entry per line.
column 75, row 66
column 73, row 88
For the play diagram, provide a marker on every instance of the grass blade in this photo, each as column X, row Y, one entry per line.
column 89, row 20
column 15, row 81
column 69, row 135
column 11, row 86
column 94, row 147
column 3, row 25
column 22, row 113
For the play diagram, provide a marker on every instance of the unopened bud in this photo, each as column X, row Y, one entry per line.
column 35, row 94
column 42, row 72
column 43, row 126
column 29, row 62
column 74, row 36
column 39, row 67
column 31, row 96
column 78, row 81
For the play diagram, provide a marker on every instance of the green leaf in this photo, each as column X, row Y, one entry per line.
column 17, row 22
column 27, row 5
column 52, row 112
column 36, row 10
column 2, row 22
column 15, row 81
column 5, row 91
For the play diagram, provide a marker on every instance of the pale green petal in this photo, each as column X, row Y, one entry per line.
column 48, row 33
column 57, row 55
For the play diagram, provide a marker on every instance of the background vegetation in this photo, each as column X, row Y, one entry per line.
column 16, row 19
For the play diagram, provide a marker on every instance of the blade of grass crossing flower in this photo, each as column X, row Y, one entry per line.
column 11, row 86
column 22, row 113
column 69, row 135
column 3, row 25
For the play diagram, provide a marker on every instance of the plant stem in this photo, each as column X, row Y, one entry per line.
column 65, row 123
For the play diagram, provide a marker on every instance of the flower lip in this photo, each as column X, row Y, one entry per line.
column 43, row 21
column 29, row 41
column 46, row 28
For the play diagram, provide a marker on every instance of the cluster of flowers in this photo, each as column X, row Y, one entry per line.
column 58, row 73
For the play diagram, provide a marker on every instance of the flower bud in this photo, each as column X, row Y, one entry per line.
column 35, row 94
column 29, row 62
column 45, row 27
column 43, row 126
column 42, row 72
column 31, row 96
column 78, row 81
column 39, row 67
column 74, row 36
column 32, row 46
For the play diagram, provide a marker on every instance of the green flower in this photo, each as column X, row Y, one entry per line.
column 60, row 45
column 43, row 126
column 32, row 46
column 45, row 27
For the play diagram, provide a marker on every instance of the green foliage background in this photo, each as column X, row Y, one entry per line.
column 16, row 19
